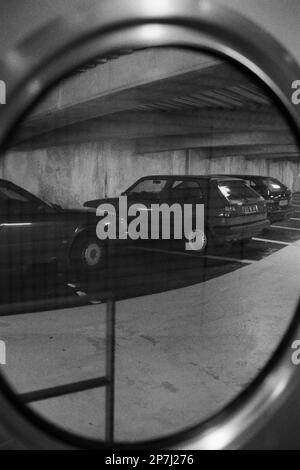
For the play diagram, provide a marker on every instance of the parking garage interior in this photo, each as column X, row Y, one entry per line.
column 192, row 328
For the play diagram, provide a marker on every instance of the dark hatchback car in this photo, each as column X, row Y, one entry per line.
column 232, row 210
column 277, row 195
column 33, row 231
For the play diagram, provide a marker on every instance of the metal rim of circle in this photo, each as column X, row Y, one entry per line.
column 111, row 27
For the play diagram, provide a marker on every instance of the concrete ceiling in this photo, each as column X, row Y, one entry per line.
column 164, row 101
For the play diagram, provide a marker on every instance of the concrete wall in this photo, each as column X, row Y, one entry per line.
column 73, row 174
column 286, row 171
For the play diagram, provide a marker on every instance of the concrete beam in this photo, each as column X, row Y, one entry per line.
column 254, row 150
column 218, row 139
column 217, row 119
column 142, row 78
column 275, row 156
column 99, row 130
column 137, row 124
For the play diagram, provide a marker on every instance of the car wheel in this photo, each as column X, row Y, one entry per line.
column 88, row 254
column 247, row 240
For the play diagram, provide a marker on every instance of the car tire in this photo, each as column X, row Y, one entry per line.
column 88, row 254
column 245, row 241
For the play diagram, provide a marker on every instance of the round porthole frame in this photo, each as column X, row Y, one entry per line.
column 115, row 25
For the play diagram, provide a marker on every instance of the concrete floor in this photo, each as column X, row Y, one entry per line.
column 181, row 354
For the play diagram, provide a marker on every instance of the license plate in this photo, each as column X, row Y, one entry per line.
column 250, row 209
column 284, row 202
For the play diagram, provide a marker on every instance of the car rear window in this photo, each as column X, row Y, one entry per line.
column 236, row 190
column 273, row 185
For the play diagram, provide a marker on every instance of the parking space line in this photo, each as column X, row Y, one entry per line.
column 199, row 255
column 285, row 228
column 80, row 293
column 168, row 252
column 277, row 242
column 84, row 294
column 294, row 218
column 234, row 260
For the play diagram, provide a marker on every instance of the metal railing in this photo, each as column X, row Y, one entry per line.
column 107, row 381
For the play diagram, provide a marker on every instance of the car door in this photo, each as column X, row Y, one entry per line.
column 147, row 193
column 29, row 232
column 189, row 195
column 15, row 233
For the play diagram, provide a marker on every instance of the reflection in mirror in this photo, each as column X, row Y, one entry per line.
column 150, row 222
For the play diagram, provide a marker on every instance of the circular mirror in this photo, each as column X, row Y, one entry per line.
column 149, row 237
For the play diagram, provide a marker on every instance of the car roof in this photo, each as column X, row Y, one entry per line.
column 5, row 181
column 189, row 177
column 245, row 176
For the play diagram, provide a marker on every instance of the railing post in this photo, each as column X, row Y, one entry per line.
column 110, row 368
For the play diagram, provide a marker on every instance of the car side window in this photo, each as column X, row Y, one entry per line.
column 149, row 186
column 253, row 184
column 184, row 190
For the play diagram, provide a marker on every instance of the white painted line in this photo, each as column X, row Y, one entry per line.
column 285, row 228
column 199, row 255
column 294, row 218
column 169, row 252
column 80, row 293
column 84, row 294
column 225, row 258
column 277, row 242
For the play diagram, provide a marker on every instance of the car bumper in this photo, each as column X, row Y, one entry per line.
column 280, row 214
column 240, row 232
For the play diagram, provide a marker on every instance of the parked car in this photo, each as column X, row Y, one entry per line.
column 34, row 231
column 277, row 195
column 233, row 211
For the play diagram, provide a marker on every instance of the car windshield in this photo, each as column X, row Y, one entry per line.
column 9, row 193
column 18, row 197
column 234, row 190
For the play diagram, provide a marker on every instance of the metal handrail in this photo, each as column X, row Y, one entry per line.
column 107, row 381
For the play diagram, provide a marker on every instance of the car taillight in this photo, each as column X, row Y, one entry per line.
column 228, row 211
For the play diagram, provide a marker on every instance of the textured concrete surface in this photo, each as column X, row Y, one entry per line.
column 102, row 157
column 181, row 355
column 73, row 174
